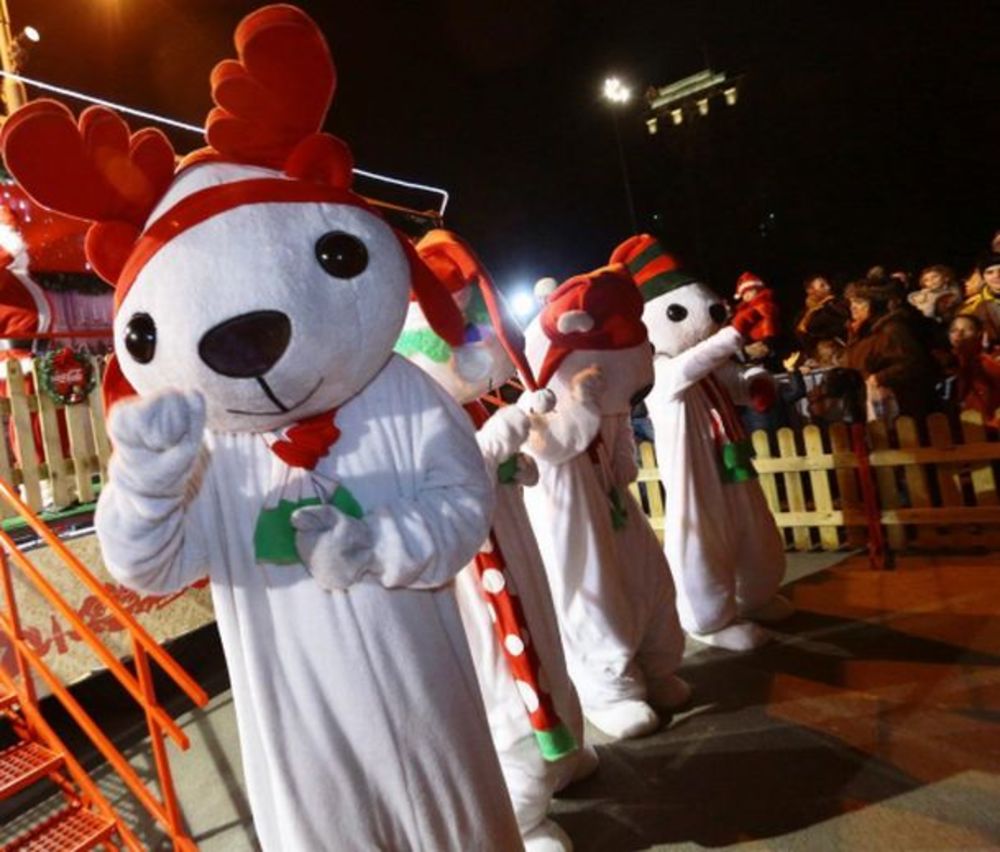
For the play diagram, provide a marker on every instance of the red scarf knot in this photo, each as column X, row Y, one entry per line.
column 304, row 443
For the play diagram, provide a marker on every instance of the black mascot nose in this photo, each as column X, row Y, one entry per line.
column 718, row 313
column 246, row 346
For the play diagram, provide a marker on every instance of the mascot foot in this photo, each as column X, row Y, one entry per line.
column 625, row 720
column 777, row 609
column 580, row 766
column 668, row 693
column 547, row 837
column 738, row 636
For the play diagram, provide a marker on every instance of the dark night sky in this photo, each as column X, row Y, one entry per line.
column 866, row 135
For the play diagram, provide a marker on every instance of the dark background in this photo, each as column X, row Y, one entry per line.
column 861, row 135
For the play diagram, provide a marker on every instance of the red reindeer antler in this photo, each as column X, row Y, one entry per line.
column 93, row 169
column 275, row 97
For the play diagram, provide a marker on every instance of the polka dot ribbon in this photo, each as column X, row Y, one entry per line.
column 553, row 737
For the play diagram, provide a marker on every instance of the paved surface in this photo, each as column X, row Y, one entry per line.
column 873, row 722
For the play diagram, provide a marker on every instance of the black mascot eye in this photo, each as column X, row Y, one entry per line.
column 675, row 313
column 140, row 338
column 341, row 255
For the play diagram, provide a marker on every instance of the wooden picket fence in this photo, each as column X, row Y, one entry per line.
column 936, row 487
column 61, row 479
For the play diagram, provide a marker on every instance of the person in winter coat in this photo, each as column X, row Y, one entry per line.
column 986, row 303
column 757, row 309
column 976, row 375
column 939, row 295
column 886, row 349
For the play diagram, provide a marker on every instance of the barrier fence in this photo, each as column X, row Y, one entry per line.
column 920, row 485
column 933, row 485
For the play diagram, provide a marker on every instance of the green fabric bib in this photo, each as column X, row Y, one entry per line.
column 274, row 536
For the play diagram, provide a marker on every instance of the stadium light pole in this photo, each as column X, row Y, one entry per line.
column 618, row 94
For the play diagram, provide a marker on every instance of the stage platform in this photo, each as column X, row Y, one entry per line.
column 873, row 722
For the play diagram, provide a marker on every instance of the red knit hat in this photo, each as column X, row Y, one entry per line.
column 747, row 281
column 599, row 310
column 270, row 106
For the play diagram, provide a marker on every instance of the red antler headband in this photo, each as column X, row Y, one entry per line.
column 270, row 107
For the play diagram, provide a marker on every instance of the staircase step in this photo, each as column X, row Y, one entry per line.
column 22, row 764
column 72, row 829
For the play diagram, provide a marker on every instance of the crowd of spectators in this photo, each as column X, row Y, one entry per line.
column 886, row 346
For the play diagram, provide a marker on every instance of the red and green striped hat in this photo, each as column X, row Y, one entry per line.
column 654, row 271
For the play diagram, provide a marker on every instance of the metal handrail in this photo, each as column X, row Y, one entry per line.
column 140, row 687
column 125, row 618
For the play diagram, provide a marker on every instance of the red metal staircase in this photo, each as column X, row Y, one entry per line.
column 37, row 755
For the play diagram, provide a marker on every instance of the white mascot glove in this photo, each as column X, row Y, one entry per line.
column 157, row 440
column 541, row 401
column 502, row 435
column 336, row 548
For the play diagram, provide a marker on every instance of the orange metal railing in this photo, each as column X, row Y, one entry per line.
column 165, row 808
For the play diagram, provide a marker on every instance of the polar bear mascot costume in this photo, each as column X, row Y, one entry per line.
column 726, row 553
column 329, row 489
column 610, row 583
column 503, row 595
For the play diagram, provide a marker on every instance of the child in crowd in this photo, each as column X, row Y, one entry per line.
column 975, row 375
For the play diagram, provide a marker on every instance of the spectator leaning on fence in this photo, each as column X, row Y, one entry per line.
column 886, row 348
column 976, row 375
column 986, row 303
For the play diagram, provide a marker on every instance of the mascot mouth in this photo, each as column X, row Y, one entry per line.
column 281, row 407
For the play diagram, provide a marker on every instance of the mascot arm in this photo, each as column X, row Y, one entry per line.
column 425, row 540
column 561, row 435
column 751, row 386
column 149, row 532
column 691, row 366
column 624, row 466
column 501, row 437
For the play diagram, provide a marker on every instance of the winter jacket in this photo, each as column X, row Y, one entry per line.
column 889, row 348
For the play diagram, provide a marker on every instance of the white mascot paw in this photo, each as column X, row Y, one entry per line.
column 503, row 434
column 541, row 401
column 156, row 442
column 588, row 385
column 336, row 548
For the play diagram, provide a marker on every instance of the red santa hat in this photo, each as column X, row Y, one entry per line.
column 747, row 281
column 599, row 310
column 270, row 105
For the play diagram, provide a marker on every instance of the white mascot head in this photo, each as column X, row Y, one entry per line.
column 593, row 320
column 680, row 310
column 481, row 364
column 255, row 276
